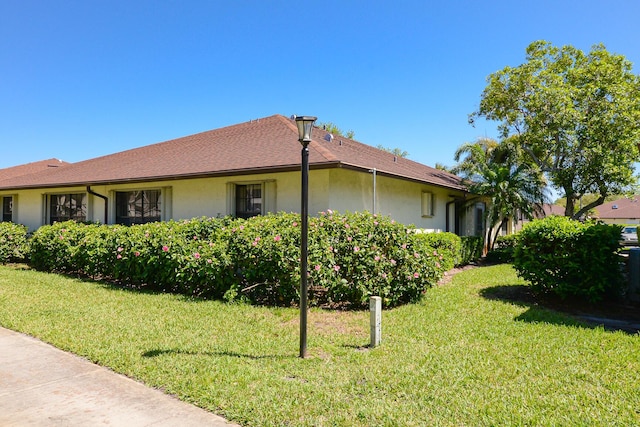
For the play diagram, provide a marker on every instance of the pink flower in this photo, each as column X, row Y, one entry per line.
column 196, row 255
column 329, row 211
column 356, row 249
column 349, row 238
column 375, row 222
column 120, row 249
column 393, row 221
column 330, row 248
column 241, row 227
column 165, row 248
column 61, row 237
column 254, row 243
column 435, row 253
column 416, row 254
column 146, row 234
column 347, row 226
column 119, row 256
column 416, row 275
column 438, row 265
column 376, row 258
column 277, row 238
column 404, row 246
column 209, row 261
column 295, row 224
column 136, row 253
column 392, row 261
column 384, row 275
column 195, row 237
column 317, row 267
column 336, row 267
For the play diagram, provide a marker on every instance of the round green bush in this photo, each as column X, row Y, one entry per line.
column 570, row 258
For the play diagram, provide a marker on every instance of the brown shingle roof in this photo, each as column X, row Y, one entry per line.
column 30, row 168
column 267, row 144
column 619, row 209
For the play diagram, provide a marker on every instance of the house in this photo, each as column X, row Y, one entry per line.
column 242, row 170
column 6, row 201
column 621, row 211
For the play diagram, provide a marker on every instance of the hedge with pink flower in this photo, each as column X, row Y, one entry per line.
column 351, row 257
column 13, row 242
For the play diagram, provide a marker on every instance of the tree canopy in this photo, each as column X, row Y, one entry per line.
column 494, row 170
column 395, row 151
column 334, row 129
column 574, row 115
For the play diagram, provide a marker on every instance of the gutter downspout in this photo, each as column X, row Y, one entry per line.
column 106, row 202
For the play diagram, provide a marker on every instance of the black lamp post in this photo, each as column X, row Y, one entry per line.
column 305, row 126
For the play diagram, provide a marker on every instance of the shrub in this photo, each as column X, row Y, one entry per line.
column 357, row 255
column 471, row 249
column 13, row 242
column 503, row 251
column 569, row 258
column 351, row 257
column 55, row 247
column 447, row 245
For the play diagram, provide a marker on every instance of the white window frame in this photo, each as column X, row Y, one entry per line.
column 427, row 202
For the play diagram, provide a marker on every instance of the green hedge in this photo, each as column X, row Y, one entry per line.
column 447, row 246
column 13, row 242
column 351, row 257
column 471, row 249
column 504, row 248
column 569, row 258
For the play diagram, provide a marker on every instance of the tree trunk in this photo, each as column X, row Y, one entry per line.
column 571, row 199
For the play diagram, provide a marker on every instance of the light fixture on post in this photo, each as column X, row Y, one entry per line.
column 305, row 126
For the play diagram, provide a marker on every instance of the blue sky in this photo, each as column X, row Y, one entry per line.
column 81, row 79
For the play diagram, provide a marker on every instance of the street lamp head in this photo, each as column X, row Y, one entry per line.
column 305, row 125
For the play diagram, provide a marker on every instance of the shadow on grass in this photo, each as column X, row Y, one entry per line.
column 545, row 309
column 161, row 352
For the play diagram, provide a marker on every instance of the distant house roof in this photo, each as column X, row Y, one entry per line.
column 30, row 168
column 549, row 210
column 621, row 208
column 263, row 145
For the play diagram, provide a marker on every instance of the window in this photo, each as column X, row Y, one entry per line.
column 65, row 207
column 137, row 207
column 248, row 200
column 7, row 208
column 427, row 204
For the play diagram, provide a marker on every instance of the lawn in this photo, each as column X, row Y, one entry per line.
column 457, row 358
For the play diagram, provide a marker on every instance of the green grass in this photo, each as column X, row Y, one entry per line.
column 456, row 359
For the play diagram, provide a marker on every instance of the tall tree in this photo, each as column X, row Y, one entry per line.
column 334, row 129
column 395, row 151
column 575, row 115
column 495, row 170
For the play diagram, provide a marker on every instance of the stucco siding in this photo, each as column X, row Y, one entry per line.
column 340, row 189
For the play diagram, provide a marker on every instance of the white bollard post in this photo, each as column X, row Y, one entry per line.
column 375, row 308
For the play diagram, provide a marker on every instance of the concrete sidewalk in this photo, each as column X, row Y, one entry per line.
column 43, row 386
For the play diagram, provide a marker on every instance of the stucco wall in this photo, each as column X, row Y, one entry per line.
column 397, row 198
column 339, row 189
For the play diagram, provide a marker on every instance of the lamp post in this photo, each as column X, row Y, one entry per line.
column 305, row 126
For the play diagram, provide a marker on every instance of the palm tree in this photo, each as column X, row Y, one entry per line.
column 495, row 170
